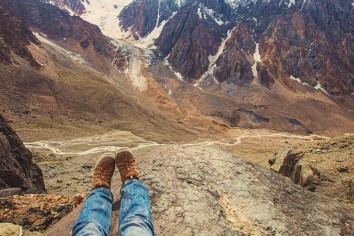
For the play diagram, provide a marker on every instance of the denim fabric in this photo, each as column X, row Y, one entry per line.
column 135, row 210
column 95, row 216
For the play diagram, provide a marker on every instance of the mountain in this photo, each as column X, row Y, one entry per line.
column 308, row 43
column 252, row 63
column 242, row 42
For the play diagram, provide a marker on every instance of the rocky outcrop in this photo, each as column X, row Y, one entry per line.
column 17, row 169
column 201, row 190
column 324, row 167
column 15, row 36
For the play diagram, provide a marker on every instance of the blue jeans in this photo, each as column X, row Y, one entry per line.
column 135, row 212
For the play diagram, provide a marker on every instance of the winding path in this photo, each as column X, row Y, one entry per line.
column 117, row 140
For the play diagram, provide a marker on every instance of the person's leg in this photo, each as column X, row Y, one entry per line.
column 95, row 216
column 135, row 208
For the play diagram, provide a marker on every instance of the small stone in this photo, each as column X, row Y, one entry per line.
column 343, row 169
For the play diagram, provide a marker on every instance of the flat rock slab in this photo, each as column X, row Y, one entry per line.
column 201, row 190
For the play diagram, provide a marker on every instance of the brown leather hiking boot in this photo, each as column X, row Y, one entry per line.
column 126, row 164
column 103, row 172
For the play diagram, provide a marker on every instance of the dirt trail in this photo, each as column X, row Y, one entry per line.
column 67, row 164
column 109, row 142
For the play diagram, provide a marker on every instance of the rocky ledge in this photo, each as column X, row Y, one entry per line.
column 201, row 190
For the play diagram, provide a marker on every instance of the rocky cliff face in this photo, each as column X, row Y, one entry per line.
column 305, row 42
column 16, row 167
column 15, row 36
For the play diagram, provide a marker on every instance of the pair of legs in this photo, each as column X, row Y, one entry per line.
column 135, row 209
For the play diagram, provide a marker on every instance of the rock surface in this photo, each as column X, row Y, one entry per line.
column 201, row 190
column 17, row 169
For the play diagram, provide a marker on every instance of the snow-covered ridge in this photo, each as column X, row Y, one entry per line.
column 104, row 14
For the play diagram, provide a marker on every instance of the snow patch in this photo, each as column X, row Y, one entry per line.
column 104, row 14
column 257, row 59
column 135, row 76
column 200, row 13
column 177, row 74
column 169, row 92
column 203, row 12
column 298, row 80
column 236, row 3
column 319, row 87
column 291, row 2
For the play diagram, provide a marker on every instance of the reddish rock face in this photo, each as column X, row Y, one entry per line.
column 16, row 167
